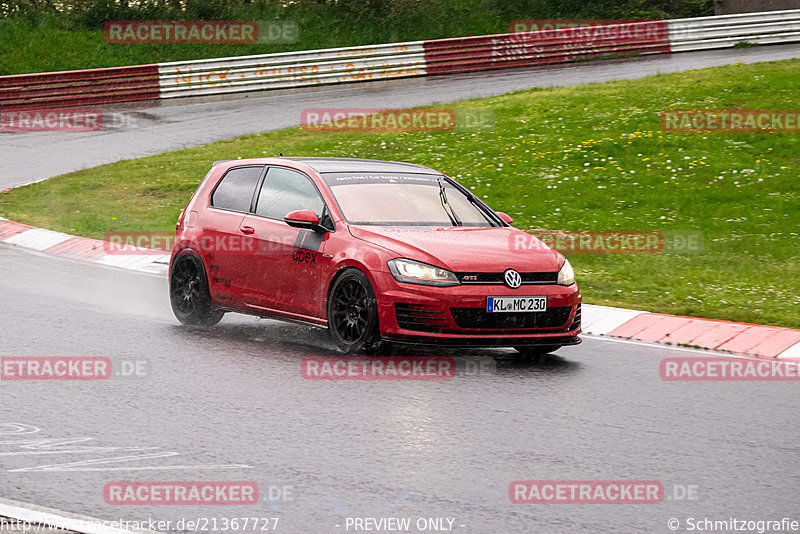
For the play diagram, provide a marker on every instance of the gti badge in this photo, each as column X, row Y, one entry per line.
column 512, row 278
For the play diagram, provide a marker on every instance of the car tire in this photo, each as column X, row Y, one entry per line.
column 189, row 294
column 352, row 312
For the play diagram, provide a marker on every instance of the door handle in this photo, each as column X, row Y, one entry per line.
column 247, row 230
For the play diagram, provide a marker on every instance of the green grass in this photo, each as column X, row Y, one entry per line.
column 582, row 158
column 41, row 41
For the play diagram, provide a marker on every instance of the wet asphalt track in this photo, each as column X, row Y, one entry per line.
column 230, row 404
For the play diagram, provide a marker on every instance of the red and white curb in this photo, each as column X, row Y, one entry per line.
column 725, row 336
column 81, row 248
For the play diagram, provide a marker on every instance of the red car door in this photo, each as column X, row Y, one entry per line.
column 285, row 274
column 223, row 248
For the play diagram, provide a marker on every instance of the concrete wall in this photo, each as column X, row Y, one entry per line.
column 725, row 7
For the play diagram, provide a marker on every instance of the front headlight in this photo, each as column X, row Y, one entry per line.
column 416, row 272
column 566, row 276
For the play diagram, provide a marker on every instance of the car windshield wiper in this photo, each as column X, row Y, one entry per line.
column 480, row 206
column 454, row 220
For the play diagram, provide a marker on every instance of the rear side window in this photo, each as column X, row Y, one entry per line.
column 235, row 190
column 285, row 191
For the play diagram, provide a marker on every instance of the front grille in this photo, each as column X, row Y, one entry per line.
column 576, row 321
column 419, row 317
column 497, row 278
column 479, row 318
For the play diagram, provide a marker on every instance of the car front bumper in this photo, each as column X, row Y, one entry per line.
column 457, row 315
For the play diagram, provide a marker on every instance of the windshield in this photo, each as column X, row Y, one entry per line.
column 390, row 199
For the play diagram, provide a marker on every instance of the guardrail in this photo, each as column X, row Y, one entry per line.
column 79, row 87
column 468, row 54
column 291, row 69
column 396, row 60
column 726, row 31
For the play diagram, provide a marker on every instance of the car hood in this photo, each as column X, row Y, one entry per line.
column 465, row 249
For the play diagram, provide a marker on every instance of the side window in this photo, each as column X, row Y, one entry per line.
column 235, row 191
column 284, row 191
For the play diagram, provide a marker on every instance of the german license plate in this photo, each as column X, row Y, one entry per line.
column 516, row 304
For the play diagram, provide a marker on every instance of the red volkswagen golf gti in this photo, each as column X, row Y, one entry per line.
column 374, row 251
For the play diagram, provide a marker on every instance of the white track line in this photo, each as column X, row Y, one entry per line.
column 62, row 520
column 792, row 352
column 704, row 352
column 145, row 262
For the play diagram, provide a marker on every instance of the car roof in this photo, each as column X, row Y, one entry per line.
column 323, row 165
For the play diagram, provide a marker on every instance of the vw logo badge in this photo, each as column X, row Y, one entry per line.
column 512, row 278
